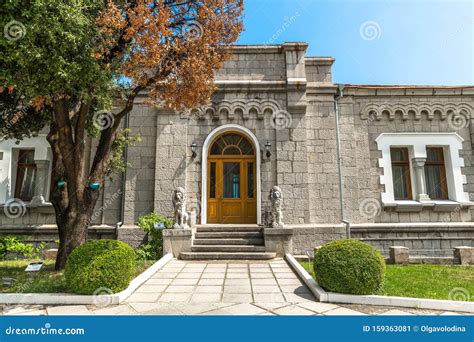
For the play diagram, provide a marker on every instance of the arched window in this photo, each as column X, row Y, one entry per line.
column 232, row 144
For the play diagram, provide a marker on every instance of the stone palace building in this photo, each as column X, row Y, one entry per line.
column 398, row 158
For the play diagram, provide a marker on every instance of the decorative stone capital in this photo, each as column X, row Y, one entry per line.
column 418, row 162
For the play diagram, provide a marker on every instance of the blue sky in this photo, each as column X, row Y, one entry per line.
column 423, row 42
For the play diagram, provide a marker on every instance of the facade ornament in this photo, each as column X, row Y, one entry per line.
column 417, row 111
column 179, row 205
column 276, row 215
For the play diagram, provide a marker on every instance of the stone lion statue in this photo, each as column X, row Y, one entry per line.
column 179, row 205
column 276, row 199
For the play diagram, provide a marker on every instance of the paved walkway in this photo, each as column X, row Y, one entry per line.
column 218, row 288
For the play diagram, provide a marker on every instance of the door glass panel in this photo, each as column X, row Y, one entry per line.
column 231, row 180
column 212, row 190
column 250, row 180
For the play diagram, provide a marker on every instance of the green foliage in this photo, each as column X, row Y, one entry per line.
column 54, row 54
column 12, row 246
column 97, row 264
column 153, row 249
column 48, row 51
column 45, row 281
column 349, row 266
column 117, row 164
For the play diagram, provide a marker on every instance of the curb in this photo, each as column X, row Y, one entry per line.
column 70, row 299
column 317, row 290
column 407, row 302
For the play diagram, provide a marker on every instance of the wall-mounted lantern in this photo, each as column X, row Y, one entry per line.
column 193, row 150
column 268, row 148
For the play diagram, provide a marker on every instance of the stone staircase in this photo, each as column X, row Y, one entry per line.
column 228, row 242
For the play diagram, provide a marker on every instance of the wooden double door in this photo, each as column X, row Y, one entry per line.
column 231, row 193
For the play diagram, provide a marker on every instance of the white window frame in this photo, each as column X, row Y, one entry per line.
column 417, row 144
column 8, row 167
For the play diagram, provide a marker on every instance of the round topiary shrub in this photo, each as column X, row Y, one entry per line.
column 99, row 264
column 349, row 266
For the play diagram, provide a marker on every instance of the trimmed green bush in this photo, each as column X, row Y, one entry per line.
column 97, row 264
column 349, row 266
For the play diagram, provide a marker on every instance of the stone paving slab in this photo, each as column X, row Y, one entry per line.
column 220, row 288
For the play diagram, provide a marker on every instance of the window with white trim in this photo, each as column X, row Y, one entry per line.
column 25, row 170
column 421, row 167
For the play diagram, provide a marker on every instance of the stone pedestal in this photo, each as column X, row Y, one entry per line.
column 176, row 241
column 50, row 253
column 464, row 255
column 278, row 240
column 399, row 255
column 131, row 234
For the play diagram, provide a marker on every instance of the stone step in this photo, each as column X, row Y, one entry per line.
column 250, row 241
column 228, row 235
column 225, row 256
column 229, row 228
column 227, row 248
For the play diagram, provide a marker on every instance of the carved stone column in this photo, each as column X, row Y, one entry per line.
column 418, row 165
column 41, row 182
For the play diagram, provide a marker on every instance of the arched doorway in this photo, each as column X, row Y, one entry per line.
column 231, row 179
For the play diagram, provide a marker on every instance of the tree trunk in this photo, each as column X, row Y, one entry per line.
column 72, row 233
column 73, row 200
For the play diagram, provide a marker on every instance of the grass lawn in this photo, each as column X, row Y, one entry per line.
column 424, row 281
column 45, row 281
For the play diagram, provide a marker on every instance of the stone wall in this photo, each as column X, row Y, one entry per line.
column 49, row 234
column 428, row 240
column 359, row 153
column 140, row 176
column 422, row 239
column 253, row 87
column 361, row 156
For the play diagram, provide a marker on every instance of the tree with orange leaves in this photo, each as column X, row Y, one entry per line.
column 65, row 64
